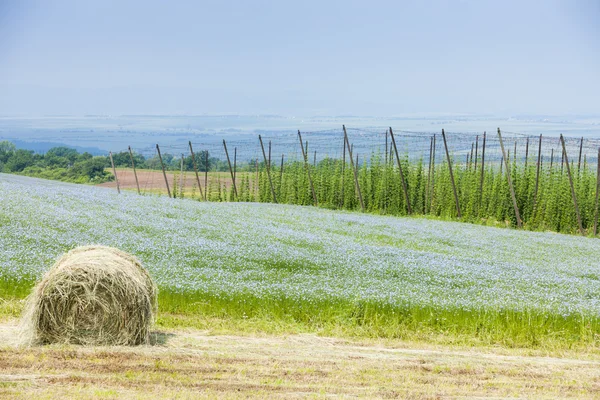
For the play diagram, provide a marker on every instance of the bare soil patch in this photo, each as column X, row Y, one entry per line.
column 154, row 181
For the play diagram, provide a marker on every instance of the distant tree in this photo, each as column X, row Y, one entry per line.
column 7, row 147
column 70, row 154
column 19, row 160
column 92, row 168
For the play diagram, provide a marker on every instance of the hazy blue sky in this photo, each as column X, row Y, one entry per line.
column 299, row 57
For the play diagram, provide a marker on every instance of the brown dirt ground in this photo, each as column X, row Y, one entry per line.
column 154, row 181
column 194, row 364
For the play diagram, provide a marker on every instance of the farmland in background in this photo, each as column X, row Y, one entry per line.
column 411, row 178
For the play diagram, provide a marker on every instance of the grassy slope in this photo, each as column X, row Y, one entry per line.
column 265, row 268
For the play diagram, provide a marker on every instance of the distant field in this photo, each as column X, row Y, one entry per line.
column 153, row 181
column 279, row 268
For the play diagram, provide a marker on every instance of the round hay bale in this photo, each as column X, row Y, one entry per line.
column 93, row 295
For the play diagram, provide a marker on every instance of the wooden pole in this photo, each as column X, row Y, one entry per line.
column 404, row 187
column 537, row 173
column 428, row 175
column 196, row 170
column 482, row 169
column 357, row 166
column 114, row 172
column 526, row 151
column 471, row 157
column 476, row 151
column 163, row 170
column 315, row 159
column 580, row 151
column 451, row 175
column 231, row 170
column 562, row 160
column 269, row 154
column 137, row 183
column 551, row 158
column 564, row 148
column 597, row 190
column 432, row 190
column 181, row 180
column 206, row 175
column 344, row 172
column 510, row 185
column 281, row 173
column 268, row 164
column 235, row 163
column 354, row 169
column 305, row 158
column 256, row 182
column 386, row 148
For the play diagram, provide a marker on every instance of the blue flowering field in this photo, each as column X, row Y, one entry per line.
column 376, row 275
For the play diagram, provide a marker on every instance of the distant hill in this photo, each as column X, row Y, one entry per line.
column 43, row 147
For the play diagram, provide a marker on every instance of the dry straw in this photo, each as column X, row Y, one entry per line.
column 93, row 295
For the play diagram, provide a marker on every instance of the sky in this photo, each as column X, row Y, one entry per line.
column 381, row 58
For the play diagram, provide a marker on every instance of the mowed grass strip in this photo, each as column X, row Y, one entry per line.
column 190, row 364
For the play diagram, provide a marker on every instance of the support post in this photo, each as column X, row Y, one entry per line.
column 268, row 164
column 269, row 154
column 526, row 151
column 235, row 163
column 181, row 180
column 580, row 151
column 428, row 175
column 281, row 173
column 386, row 147
column 597, row 190
column 537, row 173
column 566, row 158
column 163, row 170
column 510, row 185
column 476, row 150
column 471, row 156
column 482, row 169
column 305, row 158
column 562, row 161
column 344, row 172
column 231, row 170
column 137, row 183
column 432, row 190
column 196, row 170
column 114, row 171
column 451, row 175
column 354, row 169
column 404, row 188
column 206, row 175
column 257, row 181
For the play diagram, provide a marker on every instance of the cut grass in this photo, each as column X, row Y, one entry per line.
column 191, row 364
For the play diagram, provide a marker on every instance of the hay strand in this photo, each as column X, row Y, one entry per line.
column 93, row 295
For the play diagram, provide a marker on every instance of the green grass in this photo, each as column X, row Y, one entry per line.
column 250, row 268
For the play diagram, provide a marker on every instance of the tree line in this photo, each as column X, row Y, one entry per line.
column 68, row 165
